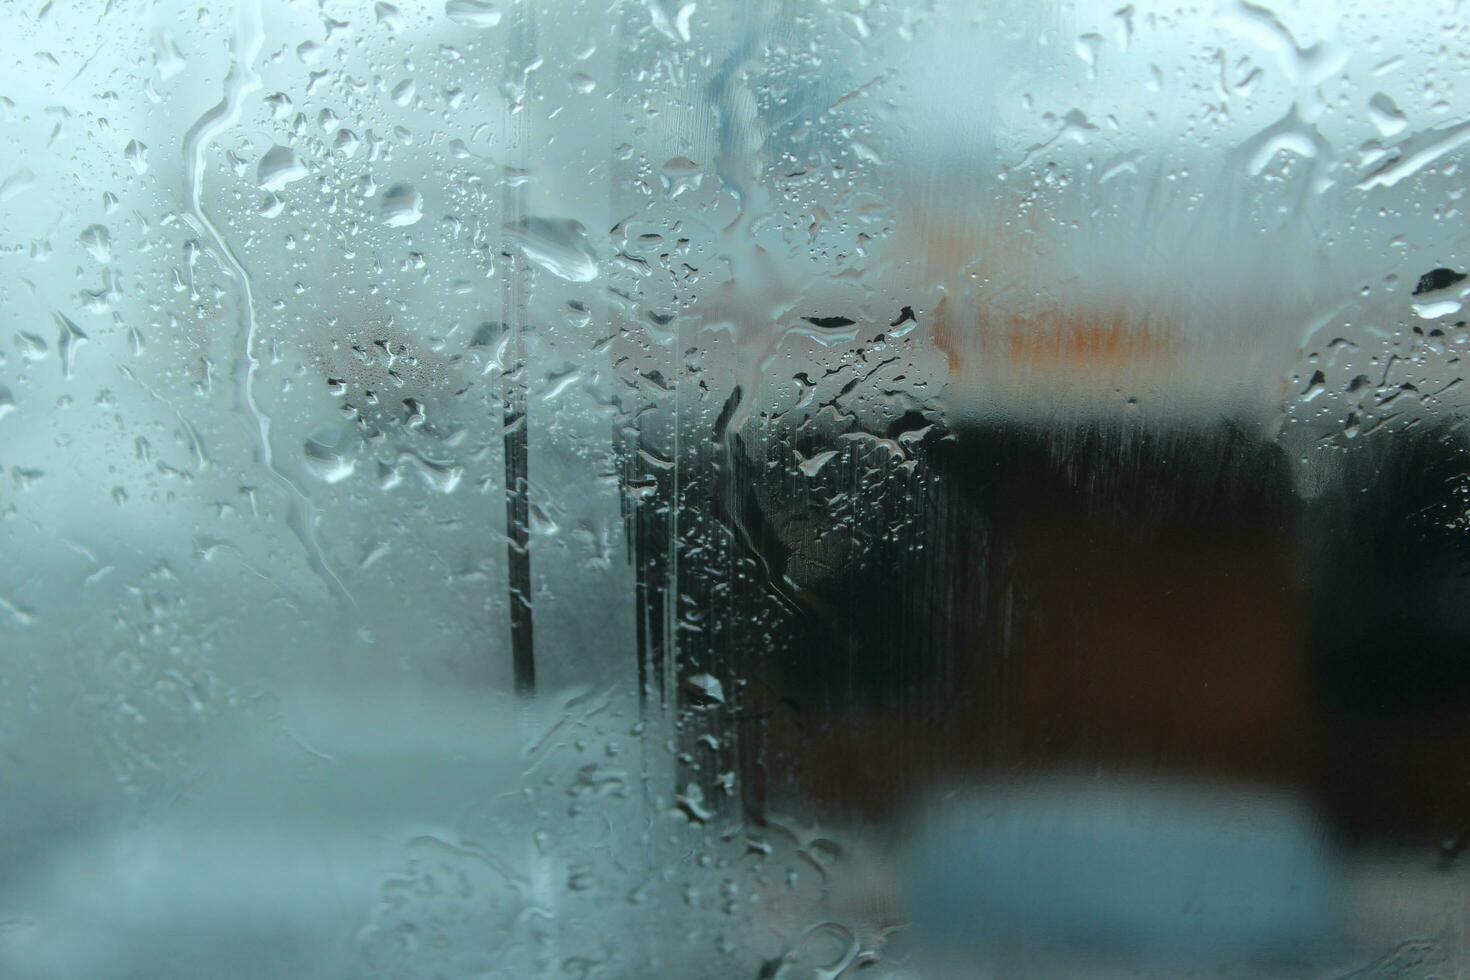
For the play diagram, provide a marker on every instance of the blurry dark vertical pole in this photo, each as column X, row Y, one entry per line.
column 520, row 48
column 649, row 518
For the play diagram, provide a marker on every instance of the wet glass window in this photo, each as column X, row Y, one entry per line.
column 894, row 489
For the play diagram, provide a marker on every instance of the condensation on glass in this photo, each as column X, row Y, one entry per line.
column 734, row 489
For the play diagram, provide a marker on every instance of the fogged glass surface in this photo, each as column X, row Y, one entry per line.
column 734, row 489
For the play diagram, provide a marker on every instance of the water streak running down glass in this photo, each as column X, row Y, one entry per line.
column 734, row 489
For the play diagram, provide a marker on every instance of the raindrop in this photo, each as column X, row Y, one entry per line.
column 1087, row 48
column 473, row 13
column 31, row 347
column 558, row 245
column 691, row 801
column 1434, row 309
column 401, row 206
column 441, row 476
column 346, row 142
column 22, row 615
column 69, row 339
column 1386, row 116
column 1437, row 279
column 670, row 20
column 329, row 454
column 813, row 465
column 706, row 689
column 280, row 104
column 98, row 242
column 389, row 17
column 1125, row 26
column 1415, row 153
column 375, row 552
column 16, row 184
column 1433, row 285
column 136, row 154
column 166, row 55
column 278, row 167
column 542, row 524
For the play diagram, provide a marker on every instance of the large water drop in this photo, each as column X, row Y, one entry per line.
column 473, row 13
column 558, row 245
column 401, row 206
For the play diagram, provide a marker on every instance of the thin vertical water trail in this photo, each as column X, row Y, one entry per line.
column 647, row 528
column 241, row 81
column 520, row 50
column 760, row 291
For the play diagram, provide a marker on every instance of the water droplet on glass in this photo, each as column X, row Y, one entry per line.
column 21, row 615
column 1386, row 115
column 1087, row 48
column 441, row 476
column 16, row 184
column 280, row 104
column 388, row 16
column 558, row 245
column 1434, row 309
column 69, row 339
column 401, row 206
column 706, row 689
column 813, row 465
column 691, row 802
column 31, row 347
column 473, row 13
column 278, row 167
column 329, row 454
column 671, row 18
column 167, row 58
column 98, row 242
column 542, row 523
column 136, row 153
